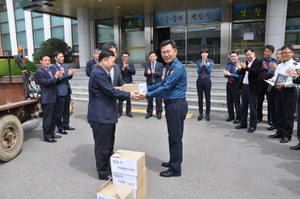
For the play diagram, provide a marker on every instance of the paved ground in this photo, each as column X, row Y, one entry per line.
column 219, row 161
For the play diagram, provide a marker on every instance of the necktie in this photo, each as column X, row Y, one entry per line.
column 49, row 72
column 231, row 71
column 166, row 72
column 152, row 68
column 109, row 77
column 203, row 71
column 264, row 75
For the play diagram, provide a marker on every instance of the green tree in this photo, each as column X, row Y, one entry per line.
column 50, row 46
column 15, row 70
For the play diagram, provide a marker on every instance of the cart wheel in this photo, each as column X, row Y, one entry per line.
column 71, row 107
column 12, row 136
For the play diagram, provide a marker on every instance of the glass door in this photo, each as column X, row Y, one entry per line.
column 178, row 34
column 203, row 36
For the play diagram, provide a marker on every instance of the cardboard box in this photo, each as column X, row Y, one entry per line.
column 141, row 87
column 128, row 162
column 141, row 193
column 134, row 181
column 111, row 191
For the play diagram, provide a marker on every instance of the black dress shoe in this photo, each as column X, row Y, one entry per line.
column 104, row 177
column 259, row 120
column 51, row 140
column 159, row 117
column 285, row 139
column 297, row 147
column 229, row 119
column 165, row 164
column 276, row 135
column 271, row 128
column 129, row 114
column 270, row 123
column 56, row 136
column 236, row 121
column 240, row 126
column 119, row 115
column 208, row 118
column 200, row 117
column 62, row 132
column 148, row 115
column 251, row 129
column 169, row 174
column 69, row 128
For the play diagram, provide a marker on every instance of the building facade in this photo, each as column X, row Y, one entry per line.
column 220, row 27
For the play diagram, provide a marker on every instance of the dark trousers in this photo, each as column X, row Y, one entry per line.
column 285, row 108
column 175, row 116
column 103, row 134
column 158, row 103
column 49, row 119
column 63, row 111
column 233, row 98
column 203, row 86
column 298, row 118
column 261, row 98
column 271, row 105
column 249, row 98
column 120, row 106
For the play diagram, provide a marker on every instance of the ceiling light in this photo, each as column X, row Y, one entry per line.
column 118, row 7
column 99, row 1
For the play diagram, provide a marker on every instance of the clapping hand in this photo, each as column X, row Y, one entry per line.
column 291, row 72
column 273, row 66
column 71, row 71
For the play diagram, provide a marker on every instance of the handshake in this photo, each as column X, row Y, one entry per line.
column 135, row 95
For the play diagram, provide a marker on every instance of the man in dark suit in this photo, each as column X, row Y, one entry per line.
column 47, row 79
column 89, row 65
column 250, row 71
column 64, row 93
column 153, row 72
column 127, row 70
column 102, row 111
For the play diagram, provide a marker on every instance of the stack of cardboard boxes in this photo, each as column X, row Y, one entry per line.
column 128, row 167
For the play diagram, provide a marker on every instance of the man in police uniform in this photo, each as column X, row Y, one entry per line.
column 285, row 96
column 232, row 92
column 173, row 90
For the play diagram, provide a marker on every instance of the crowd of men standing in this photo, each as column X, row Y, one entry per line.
column 254, row 79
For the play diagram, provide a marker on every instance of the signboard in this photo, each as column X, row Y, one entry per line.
column 248, row 36
column 249, row 12
column 175, row 18
column 134, row 22
column 200, row 16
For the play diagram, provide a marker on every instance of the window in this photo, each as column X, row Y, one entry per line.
column 105, row 32
column 38, row 29
column 38, row 37
column 75, row 35
column 20, row 29
column 245, row 35
column 292, row 31
column 57, row 27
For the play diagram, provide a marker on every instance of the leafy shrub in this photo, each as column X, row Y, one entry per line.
column 15, row 70
column 50, row 46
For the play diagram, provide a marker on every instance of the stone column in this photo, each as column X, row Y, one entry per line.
column 84, row 40
column 275, row 23
column 226, row 34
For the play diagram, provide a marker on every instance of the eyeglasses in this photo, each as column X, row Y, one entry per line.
column 285, row 53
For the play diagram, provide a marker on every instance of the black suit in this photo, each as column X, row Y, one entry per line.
column 89, row 67
column 250, row 92
column 49, row 99
column 102, row 116
column 297, row 81
column 154, row 78
column 127, row 77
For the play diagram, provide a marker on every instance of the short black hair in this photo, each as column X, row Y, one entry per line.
column 105, row 54
column 43, row 55
column 109, row 45
column 270, row 47
column 153, row 52
column 56, row 53
column 251, row 50
column 167, row 42
column 288, row 46
column 232, row 52
column 126, row 53
column 204, row 50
